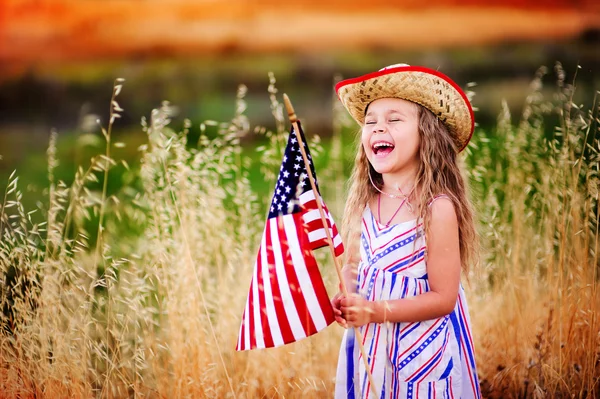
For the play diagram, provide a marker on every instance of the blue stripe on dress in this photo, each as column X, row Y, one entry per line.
column 376, row 230
column 370, row 355
column 417, row 324
column 394, row 277
column 446, row 372
column 350, row 364
column 456, row 328
column 390, row 249
column 431, row 361
column 424, row 345
column 407, row 261
column 465, row 336
column 409, row 390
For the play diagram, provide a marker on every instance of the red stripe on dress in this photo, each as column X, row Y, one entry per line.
column 428, row 361
column 378, row 326
column 282, row 321
column 462, row 343
column 416, row 262
column 411, row 255
column 395, row 238
column 462, row 312
column 367, row 230
column 292, row 278
column 407, row 326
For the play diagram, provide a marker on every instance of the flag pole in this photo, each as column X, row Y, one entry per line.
column 294, row 120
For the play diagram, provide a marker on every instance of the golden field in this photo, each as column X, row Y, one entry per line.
column 139, row 292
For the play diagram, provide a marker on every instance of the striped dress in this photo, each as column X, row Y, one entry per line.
column 427, row 359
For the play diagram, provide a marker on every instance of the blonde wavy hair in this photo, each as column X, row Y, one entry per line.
column 440, row 174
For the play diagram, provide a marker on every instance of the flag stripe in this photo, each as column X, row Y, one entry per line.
column 243, row 332
column 319, row 236
column 308, row 276
column 295, row 270
column 280, row 329
column 265, row 299
column 288, row 311
column 252, row 323
column 255, row 307
column 287, row 299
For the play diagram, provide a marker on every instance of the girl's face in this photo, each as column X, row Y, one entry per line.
column 390, row 135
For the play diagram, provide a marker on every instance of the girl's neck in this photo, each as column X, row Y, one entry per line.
column 400, row 182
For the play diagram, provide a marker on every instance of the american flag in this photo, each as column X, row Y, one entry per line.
column 287, row 299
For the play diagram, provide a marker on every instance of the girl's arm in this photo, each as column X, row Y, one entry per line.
column 443, row 271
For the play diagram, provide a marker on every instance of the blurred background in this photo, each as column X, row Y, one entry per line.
column 59, row 58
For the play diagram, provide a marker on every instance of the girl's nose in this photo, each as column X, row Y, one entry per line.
column 378, row 128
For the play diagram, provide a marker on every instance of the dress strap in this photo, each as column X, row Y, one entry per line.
column 437, row 197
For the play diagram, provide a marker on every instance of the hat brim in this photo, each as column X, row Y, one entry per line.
column 427, row 87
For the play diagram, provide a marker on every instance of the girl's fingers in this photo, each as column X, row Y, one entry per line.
column 341, row 322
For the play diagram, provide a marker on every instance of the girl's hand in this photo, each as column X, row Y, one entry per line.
column 337, row 312
column 356, row 310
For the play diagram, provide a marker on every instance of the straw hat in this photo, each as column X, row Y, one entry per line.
column 427, row 87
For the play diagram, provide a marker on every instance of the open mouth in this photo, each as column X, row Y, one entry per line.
column 382, row 148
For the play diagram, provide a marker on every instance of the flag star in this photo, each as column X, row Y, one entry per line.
column 272, row 209
column 296, row 174
column 284, row 158
column 296, row 166
column 278, row 191
column 286, row 173
column 294, row 140
column 275, row 200
column 298, row 158
column 287, row 189
column 278, row 207
column 309, row 157
column 302, row 183
column 283, row 198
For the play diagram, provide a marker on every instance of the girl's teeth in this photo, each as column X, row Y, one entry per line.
column 382, row 147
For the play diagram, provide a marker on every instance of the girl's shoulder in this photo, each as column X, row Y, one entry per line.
column 437, row 197
column 442, row 210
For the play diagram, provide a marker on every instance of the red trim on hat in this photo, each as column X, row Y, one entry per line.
column 409, row 68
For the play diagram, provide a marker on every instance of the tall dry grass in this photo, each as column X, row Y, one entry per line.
column 537, row 302
column 162, row 320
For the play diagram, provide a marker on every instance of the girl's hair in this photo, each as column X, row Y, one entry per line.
column 438, row 173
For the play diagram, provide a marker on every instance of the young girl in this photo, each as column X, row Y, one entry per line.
column 409, row 231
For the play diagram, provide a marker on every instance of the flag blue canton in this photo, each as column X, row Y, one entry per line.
column 293, row 179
